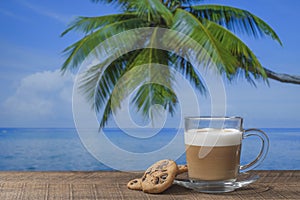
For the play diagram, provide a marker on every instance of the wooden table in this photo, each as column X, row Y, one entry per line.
column 112, row 185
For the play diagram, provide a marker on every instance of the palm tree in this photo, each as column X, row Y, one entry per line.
column 213, row 27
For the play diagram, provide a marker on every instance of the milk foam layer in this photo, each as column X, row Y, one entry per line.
column 213, row 137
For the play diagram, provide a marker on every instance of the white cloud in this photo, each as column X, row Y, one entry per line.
column 41, row 99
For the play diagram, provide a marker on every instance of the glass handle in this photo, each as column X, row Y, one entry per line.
column 263, row 152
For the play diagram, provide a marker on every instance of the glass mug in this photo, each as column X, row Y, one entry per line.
column 213, row 148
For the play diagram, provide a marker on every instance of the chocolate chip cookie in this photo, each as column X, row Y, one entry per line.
column 135, row 184
column 159, row 176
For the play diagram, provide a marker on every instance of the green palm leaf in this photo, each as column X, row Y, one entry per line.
column 89, row 24
column 189, row 25
column 155, row 94
column 153, row 10
column 106, row 114
column 188, row 71
column 246, row 58
column 78, row 51
column 142, row 70
column 98, row 82
column 237, row 20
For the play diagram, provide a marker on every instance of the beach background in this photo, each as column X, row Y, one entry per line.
column 36, row 119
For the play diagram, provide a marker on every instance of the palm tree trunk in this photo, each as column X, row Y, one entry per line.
column 285, row 78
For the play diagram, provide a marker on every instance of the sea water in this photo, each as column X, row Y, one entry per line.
column 60, row 149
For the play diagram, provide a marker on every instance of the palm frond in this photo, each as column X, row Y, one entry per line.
column 234, row 19
column 89, row 80
column 155, row 94
column 143, row 70
column 188, row 71
column 209, row 48
column 153, row 10
column 246, row 58
column 106, row 114
column 98, row 81
column 89, row 24
column 132, row 75
column 97, row 84
column 78, row 51
column 105, row 83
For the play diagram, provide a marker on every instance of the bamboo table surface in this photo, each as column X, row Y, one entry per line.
column 113, row 185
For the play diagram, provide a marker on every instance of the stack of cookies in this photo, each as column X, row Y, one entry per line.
column 158, row 177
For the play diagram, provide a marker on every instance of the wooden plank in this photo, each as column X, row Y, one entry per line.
column 112, row 185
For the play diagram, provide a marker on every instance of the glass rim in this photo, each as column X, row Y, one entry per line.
column 212, row 117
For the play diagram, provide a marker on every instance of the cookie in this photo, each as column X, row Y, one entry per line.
column 135, row 184
column 159, row 176
column 182, row 169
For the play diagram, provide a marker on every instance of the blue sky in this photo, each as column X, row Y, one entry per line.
column 34, row 94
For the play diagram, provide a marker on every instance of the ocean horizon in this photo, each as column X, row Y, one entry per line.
column 60, row 149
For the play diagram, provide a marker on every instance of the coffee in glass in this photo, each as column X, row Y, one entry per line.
column 213, row 148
